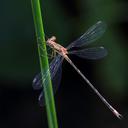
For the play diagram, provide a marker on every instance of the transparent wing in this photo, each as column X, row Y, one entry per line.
column 91, row 53
column 39, row 78
column 56, row 72
column 55, row 82
column 92, row 34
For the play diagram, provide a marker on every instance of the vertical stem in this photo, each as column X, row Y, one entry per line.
column 48, row 92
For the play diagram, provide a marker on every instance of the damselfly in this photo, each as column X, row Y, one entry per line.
column 87, row 38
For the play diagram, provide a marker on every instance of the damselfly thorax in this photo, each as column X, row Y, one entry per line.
column 56, row 47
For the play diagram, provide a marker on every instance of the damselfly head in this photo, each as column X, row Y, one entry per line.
column 53, row 38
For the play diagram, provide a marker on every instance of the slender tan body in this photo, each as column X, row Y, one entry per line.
column 63, row 52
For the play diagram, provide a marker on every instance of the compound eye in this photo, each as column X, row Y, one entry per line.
column 53, row 38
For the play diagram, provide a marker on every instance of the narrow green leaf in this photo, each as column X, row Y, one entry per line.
column 48, row 92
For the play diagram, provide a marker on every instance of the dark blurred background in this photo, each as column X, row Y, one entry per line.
column 77, row 106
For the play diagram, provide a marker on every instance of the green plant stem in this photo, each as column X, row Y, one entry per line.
column 48, row 92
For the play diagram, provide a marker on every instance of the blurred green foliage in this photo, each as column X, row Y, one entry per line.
column 67, row 20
